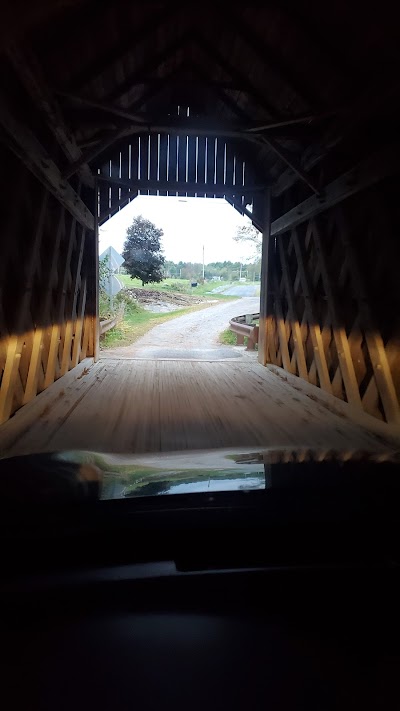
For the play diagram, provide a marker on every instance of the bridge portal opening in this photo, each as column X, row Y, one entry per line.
column 210, row 273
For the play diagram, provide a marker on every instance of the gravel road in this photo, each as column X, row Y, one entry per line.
column 194, row 335
column 241, row 290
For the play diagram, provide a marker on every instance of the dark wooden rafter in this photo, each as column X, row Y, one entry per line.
column 348, row 118
column 237, row 75
column 257, row 222
column 99, row 148
column 92, row 153
column 271, row 143
column 29, row 73
column 118, row 205
column 102, row 106
column 154, row 89
column 116, row 53
column 370, row 171
column 26, row 146
column 335, row 58
column 149, row 64
column 284, row 72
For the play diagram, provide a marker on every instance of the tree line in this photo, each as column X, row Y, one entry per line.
column 226, row 271
column 144, row 258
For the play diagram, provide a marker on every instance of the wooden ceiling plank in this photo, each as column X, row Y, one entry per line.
column 30, row 75
column 24, row 144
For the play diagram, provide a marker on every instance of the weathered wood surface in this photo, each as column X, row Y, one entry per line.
column 45, row 312
column 151, row 406
column 331, row 321
column 372, row 170
column 23, row 142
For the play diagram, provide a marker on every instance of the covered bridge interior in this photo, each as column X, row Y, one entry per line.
column 289, row 112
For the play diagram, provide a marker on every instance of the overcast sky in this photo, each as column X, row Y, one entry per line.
column 188, row 224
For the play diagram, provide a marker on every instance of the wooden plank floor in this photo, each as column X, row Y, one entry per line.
column 151, row 406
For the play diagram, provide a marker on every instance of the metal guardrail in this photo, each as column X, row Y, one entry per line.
column 245, row 327
column 109, row 323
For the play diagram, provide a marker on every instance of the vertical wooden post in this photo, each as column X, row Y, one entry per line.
column 266, row 290
column 95, row 275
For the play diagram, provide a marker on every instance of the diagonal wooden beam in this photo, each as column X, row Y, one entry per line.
column 117, row 52
column 150, row 91
column 349, row 117
column 102, row 106
column 372, row 170
column 149, row 64
column 25, row 145
column 30, row 75
column 237, row 75
column 272, row 144
column 92, row 153
column 244, row 211
column 286, row 73
column 114, row 136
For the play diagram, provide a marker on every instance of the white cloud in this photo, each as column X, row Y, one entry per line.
column 188, row 224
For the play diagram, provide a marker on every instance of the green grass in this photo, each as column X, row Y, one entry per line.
column 137, row 322
column 227, row 337
column 182, row 286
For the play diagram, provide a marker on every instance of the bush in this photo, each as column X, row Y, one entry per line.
column 126, row 301
column 175, row 286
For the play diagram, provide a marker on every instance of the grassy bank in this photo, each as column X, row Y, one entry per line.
column 137, row 322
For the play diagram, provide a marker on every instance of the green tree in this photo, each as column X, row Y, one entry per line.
column 142, row 251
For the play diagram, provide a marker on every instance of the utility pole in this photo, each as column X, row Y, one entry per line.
column 110, row 277
column 203, row 262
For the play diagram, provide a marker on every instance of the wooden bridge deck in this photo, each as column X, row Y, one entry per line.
column 151, row 406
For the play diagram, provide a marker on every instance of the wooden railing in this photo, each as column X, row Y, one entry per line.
column 245, row 327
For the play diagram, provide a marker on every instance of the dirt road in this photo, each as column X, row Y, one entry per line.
column 194, row 335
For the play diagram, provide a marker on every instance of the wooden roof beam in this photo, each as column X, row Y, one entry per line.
column 244, row 211
column 370, row 171
column 118, row 52
column 30, row 75
column 274, row 146
column 180, row 186
column 28, row 149
column 237, row 75
column 150, row 63
column 365, row 106
column 102, row 106
column 286, row 73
